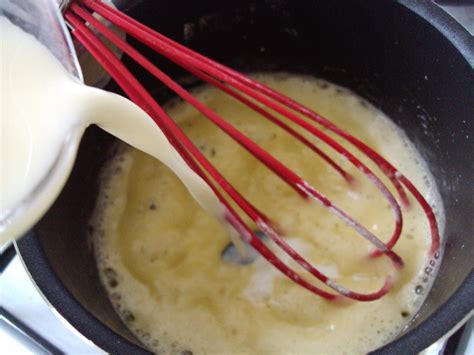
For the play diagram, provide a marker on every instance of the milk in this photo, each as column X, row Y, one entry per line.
column 44, row 111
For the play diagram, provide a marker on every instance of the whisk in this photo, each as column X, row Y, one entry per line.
column 267, row 102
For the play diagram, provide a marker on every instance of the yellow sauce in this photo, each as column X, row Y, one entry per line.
column 159, row 253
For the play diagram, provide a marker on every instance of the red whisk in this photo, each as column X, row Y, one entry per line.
column 79, row 16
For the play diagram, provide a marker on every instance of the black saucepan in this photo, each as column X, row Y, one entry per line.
column 409, row 58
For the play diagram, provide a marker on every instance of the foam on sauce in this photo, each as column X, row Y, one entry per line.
column 159, row 254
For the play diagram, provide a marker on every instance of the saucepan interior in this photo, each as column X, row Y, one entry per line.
column 384, row 51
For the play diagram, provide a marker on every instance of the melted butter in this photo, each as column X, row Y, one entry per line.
column 159, row 254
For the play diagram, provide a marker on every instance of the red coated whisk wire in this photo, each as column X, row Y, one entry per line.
column 221, row 76
column 120, row 73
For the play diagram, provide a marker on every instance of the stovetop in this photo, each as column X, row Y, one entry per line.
column 28, row 323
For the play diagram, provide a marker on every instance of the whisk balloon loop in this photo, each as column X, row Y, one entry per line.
column 268, row 104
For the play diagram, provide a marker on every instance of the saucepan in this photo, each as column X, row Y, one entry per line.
column 409, row 58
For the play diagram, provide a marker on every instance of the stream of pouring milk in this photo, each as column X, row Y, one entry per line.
column 44, row 111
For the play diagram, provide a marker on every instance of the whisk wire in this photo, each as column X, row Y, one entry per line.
column 232, row 82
